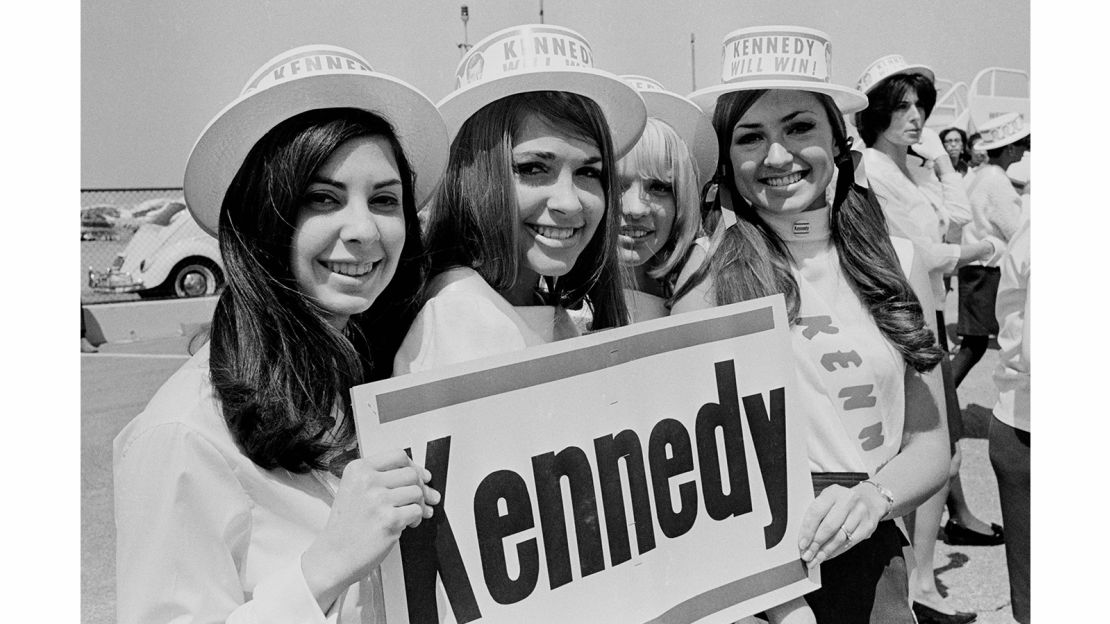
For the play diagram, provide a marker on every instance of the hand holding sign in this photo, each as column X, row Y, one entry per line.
column 838, row 519
column 378, row 497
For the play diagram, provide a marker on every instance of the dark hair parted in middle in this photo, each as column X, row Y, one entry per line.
column 749, row 260
column 473, row 217
column 885, row 98
column 961, row 163
column 280, row 370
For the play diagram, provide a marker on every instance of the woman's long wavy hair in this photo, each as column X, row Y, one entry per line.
column 661, row 154
column 749, row 260
column 473, row 219
column 280, row 370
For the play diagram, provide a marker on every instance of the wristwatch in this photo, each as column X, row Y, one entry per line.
column 885, row 493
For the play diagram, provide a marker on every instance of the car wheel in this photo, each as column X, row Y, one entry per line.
column 195, row 277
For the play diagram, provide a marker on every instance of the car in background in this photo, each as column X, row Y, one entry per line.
column 99, row 223
column 169, row 256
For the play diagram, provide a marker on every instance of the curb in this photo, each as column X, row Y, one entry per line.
column 145, row 320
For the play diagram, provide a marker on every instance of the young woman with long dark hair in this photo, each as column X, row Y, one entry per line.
column 804, row 228
column 524, row 226
column 240, row 492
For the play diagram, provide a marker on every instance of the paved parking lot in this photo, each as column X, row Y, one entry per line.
column 117, row 383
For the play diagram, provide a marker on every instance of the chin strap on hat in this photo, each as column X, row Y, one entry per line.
column 715, row 195
column 728, row 213
column 845, row 175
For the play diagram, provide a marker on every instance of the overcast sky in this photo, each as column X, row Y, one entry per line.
column 153, row 72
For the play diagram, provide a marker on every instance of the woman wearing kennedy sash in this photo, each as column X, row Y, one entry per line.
column 797, row 223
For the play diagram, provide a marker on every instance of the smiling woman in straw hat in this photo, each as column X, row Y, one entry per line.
column 239, row 492
column 660, row 212
column 799, row 224
column 524, row 225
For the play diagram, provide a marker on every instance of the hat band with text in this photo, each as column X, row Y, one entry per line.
column 776, row 56
column 307, row 62
column 521, row 50
column 643, row 84
column 1005, row 131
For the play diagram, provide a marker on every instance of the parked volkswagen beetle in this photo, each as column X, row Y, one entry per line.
column 169, row 256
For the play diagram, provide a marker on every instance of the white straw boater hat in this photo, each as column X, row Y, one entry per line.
column 887, row 66
column 1003, row 130
column 303, row 79
column 775, row 57
column 541, row 57
column 681, row 114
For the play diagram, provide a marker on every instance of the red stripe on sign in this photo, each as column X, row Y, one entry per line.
column 714, row 600
column 406, row 402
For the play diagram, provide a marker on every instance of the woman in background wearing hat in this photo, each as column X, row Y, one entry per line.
column 804, row 229
column 239, row 492
column 660, row 211
column 525, row 223
column 996, row 211
column 906, row 163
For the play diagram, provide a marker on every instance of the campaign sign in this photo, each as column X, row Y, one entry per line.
column 651, row 473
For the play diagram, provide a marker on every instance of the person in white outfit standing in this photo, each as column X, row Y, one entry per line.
column 921, row 194
column 996, row 212
column 1009, row 435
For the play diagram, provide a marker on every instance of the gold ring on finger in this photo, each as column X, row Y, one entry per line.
column 847, row 533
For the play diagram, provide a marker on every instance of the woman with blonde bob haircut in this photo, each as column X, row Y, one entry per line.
column 660, row 212
column 662, row 156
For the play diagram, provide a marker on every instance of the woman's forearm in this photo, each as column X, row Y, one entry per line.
column 921, row 466
column 971, row 252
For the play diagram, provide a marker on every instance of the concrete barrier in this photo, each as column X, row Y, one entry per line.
column 144, row 320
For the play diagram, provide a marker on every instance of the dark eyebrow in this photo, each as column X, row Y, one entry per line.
column 785, row 119
column 319, row 179
column 536, row 154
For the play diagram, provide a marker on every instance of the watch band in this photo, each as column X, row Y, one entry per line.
column 885, row 492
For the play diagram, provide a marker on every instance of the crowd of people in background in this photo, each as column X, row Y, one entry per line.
column 369, row 233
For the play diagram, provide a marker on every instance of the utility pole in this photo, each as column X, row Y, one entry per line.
column 693, row 75
column 541, row 11
column 465, row 45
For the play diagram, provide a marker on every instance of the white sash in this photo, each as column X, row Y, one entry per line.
column 852, row 382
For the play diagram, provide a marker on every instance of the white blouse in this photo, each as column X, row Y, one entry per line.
column 465, row 319
column 206, row 535
column 916, row 210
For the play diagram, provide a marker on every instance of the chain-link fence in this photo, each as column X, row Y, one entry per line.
column 142, row 243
